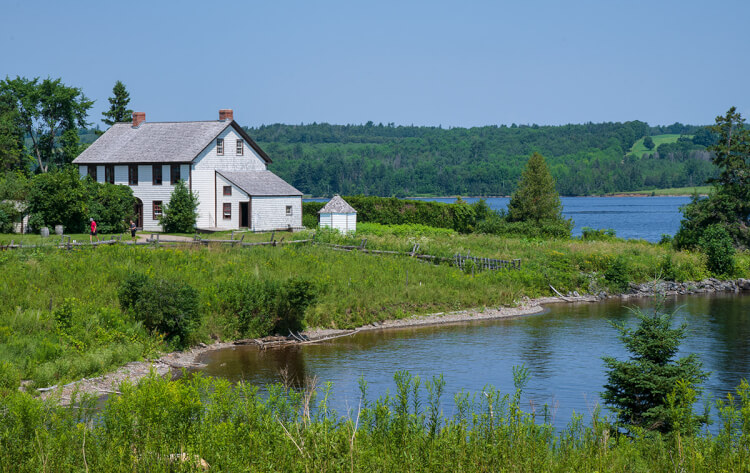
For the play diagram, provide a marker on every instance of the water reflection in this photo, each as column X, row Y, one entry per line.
column 562, row 349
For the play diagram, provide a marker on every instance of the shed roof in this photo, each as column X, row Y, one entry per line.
column 160, row 142
column 337, row 205
column 260, row 183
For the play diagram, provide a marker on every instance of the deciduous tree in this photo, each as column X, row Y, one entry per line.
column 49, row 114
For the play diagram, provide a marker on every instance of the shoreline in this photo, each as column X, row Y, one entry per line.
column 169, row 363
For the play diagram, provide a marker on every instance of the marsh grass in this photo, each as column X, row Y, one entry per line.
column 235, row 428
column 353, row 288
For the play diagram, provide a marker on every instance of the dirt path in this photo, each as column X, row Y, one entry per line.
column 167, row 364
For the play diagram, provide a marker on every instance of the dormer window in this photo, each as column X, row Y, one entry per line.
column 240, row 147
column 220, row 146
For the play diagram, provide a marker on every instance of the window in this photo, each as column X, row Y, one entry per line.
column 220, row 146
column 92, row 171
column 157, row 209
column 109, row 173
column 289, row 210
column 175, row 174
column 227, row 190
column 227, row 211
column 240, row 147
column 133, row 174
column 156, row 174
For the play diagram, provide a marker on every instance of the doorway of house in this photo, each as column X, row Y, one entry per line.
column 138, row 212
column 244, row 214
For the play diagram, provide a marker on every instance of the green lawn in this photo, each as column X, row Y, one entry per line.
column 639, row 150
column 701, row 190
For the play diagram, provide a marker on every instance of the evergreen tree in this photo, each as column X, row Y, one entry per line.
column 729, row 203
column 648, row 142
column 651, row 390
column 536, row 199
column 181, row 212
column 118, row 106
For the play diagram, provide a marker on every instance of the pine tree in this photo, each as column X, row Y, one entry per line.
column 652, row 390
column 118, row 106
column 181, row 212
column 536, row 199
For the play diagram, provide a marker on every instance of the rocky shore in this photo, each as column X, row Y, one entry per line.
column 170, row 363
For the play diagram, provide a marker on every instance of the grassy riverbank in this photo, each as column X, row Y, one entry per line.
column 61, row 318
column 148, row 427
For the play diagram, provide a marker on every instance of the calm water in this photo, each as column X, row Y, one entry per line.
column 562, row 348
column 644, row 218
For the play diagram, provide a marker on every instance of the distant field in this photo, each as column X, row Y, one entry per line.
column 702, row 190
column 639, row 150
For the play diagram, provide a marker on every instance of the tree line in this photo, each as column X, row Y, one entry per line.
column 388, row 160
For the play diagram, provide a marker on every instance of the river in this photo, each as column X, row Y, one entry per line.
column 562, row 348
column 646, row 218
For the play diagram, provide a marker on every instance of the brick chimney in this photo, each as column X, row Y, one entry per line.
column 138, row 118
column 226, row 114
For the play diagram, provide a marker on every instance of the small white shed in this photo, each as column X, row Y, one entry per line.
column 338, row 214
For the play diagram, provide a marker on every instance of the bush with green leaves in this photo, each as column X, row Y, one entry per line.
column 716, row 243
column 616, row 275
column 263, row 307
column 601, row 234
column 164, row 306
column 8, row 216
column 63, row 198
column 182, row 211
column 111, row 205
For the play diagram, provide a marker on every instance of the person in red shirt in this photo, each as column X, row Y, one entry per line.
column 93, row 231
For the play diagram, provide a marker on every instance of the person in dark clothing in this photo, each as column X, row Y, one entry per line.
column 132, row 230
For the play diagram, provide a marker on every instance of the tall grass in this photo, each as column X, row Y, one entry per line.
column 353, row 288
column 237, row 429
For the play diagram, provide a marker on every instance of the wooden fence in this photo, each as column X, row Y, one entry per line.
column 464, row 262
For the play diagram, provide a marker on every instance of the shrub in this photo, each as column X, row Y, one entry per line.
column 164, row 306
column 616, row 275
column 8, row 216
column 111, row 205
column 602, row 234
column 309, row 220
column 181, row 212
column 263, row 307
column 716, row 243
column 10, row 378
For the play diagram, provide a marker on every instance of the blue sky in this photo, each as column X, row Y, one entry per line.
column 423, row 63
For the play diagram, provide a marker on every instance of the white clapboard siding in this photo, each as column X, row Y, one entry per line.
column 238, row 195
column 343, row 222
column 269, row 213
column 229, row 161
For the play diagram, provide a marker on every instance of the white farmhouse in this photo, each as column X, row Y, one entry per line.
column 216, row 159
column 338, row 214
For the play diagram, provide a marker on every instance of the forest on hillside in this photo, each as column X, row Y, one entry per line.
column 322, row 159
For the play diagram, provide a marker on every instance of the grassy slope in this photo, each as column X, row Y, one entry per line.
column 639, row 150
column 356, row 288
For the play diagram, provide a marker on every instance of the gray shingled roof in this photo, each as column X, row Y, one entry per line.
column 161, row 142
column 337, row 205
column 260, row 183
